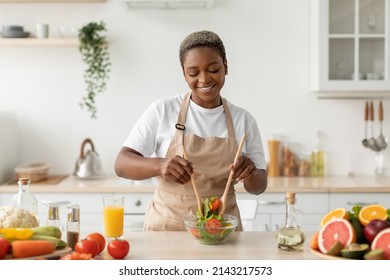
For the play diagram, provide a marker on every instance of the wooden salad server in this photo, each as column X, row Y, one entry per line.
column 199, row 201
column 222, row 208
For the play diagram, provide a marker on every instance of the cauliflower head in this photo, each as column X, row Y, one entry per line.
column 11, row 217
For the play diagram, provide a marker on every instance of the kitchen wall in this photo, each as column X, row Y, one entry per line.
column 267, row 45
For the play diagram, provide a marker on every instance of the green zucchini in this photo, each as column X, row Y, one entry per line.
column 59, row 243
column 47, row 231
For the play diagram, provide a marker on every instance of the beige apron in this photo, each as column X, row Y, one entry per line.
column 211, row 157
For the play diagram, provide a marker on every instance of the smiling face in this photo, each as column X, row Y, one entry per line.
column 204, row 71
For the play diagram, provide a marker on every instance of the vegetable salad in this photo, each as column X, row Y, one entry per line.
column 212, row 228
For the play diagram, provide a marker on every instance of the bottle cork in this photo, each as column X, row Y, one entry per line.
column 290, row 197
column 24, row 181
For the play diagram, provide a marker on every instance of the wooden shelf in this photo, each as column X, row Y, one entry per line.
column 34, row 42
column 52, row 1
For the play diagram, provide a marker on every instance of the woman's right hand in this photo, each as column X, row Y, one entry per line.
column 176, row 169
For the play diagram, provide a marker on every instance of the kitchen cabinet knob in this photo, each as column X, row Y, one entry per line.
column 138, row 202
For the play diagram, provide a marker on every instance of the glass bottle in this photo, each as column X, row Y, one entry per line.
column 24, row 199
column 273, row 164
column 291, row 237
column 73, row 225
column 53, row 215
column 317, row 161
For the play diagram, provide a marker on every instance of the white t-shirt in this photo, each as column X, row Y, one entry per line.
column 155, row 129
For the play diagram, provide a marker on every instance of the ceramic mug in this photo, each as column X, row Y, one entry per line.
column 42, row 30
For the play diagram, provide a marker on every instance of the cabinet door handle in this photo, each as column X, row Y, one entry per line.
column 361, row 203
column 263, row 202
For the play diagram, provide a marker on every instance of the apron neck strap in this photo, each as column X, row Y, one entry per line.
column 180, row 125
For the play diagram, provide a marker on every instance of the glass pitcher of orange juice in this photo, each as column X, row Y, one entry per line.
column 113, row 216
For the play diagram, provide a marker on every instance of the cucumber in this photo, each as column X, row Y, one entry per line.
column 359, row 230
column 59, row 243
column 47, row 231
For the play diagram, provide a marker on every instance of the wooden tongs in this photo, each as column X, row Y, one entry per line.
column 222, row 208
column 199, row 201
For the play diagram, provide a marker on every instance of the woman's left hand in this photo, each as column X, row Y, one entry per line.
column 243, row 168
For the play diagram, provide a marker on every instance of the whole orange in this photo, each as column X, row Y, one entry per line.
column 314, row 241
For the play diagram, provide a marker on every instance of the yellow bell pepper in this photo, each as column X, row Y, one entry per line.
column 17, row 233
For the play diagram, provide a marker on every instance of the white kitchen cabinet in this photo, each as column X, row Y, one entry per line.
column 350, row 48
column 348, row 200
column 270, row 213
column 91, row 208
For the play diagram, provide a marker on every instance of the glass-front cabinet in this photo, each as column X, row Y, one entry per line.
column 350, row 48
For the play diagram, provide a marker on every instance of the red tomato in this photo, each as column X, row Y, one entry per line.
column 76, row 256
column 4, row 247
column 87, row 247
column 118, row 249
column 99, row 239
column 214, row 205
column 195, row 233
column 213, row 226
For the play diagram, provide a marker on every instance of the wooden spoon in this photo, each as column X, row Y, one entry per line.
column 222, row 208
column 366, row 118
column 372, row 141
column 199, row 201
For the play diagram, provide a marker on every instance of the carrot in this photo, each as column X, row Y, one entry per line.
column 31, row 248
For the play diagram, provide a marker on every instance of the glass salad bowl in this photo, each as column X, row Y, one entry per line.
column 211, row 231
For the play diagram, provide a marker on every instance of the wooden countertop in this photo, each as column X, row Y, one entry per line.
column 113, row 184
column 179, row 245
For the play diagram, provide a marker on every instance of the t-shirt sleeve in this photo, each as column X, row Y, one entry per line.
column 142, row 136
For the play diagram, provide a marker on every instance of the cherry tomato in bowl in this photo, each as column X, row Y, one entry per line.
column 215, row 204
column 213, row 226
column 118, row 249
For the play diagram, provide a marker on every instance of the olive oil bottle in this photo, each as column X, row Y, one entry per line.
column 317, row 158
column 291, row 237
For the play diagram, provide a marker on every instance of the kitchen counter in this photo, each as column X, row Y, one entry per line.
column 113, row 184
column 179, row 245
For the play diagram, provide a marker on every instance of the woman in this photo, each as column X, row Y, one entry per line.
column 207, row 127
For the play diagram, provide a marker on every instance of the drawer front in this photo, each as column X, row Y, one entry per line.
column 93, row 203
column 94, row 222
column 275, row 203
column 137, row 203
column 311, row 222
column 348, row 200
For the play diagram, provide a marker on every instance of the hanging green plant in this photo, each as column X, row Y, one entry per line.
column 94, row 52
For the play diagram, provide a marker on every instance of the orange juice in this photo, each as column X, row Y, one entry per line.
column 113, row 221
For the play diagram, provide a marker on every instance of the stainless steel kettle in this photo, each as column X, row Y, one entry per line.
column 88, row 165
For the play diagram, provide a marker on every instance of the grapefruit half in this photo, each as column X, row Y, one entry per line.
column 382, row 241
column 336, row 229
